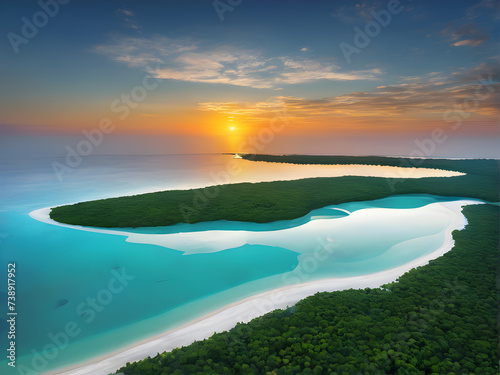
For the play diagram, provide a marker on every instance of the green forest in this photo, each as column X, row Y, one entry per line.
column 280, row 200
column 437, row 319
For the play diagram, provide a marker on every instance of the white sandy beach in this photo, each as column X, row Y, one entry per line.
column 249, row 308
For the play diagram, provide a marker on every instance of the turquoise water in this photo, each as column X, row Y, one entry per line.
column 114, row 292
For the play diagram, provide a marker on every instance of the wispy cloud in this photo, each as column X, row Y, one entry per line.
column 299, row 71
column 464, row 34
column 481, row 8
column 474, row 28
column 250, row 109
column 471, row 42
column 128, row 19
column 138, row 52
column 185, row 60
column 435, row 93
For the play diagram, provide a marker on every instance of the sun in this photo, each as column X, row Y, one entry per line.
column 232, row 128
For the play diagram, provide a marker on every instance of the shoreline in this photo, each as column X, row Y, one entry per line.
column 244, row 310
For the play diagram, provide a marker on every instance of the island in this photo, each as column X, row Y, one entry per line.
column 282, row 200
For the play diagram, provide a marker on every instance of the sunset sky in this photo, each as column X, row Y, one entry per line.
column 175, row 76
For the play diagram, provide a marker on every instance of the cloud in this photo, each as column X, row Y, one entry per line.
column 300, row 71
column 481, row 8
column 464, row 34
column 482, row 71
column 127, row 18
column 244, row 109
column 124, row 12
column 435, row 93
column 305, row 49
column 471, row 42
column 138, row 52
column 185, row 60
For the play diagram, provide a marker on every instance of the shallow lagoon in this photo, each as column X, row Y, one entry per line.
column 174, row 280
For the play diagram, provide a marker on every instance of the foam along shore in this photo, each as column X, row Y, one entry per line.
column 252, row 307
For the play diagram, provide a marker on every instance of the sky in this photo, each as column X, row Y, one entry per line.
column 397, row 77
